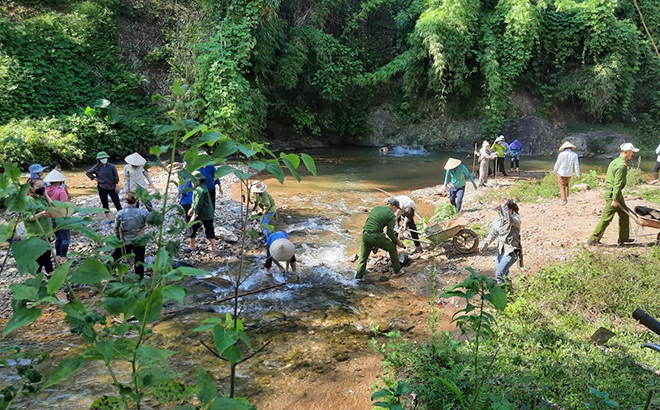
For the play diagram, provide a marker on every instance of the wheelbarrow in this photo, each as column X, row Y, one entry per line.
column 465, row 240
column 644, row 221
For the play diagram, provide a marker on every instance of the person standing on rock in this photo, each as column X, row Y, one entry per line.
column 615, row 181
column 201, row 210
column 506, row 230
column 379, row 218
column 280, row 249
column 185, row 200
column 266, row 204
column 455, row 176
column 405, row 219
column 567, row 163
column 56, row 192
column 485, row 155
column 499, row 148
column 129, row 224
column 134, row 176
column 107, row 181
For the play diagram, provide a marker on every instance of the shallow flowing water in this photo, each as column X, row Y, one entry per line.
column 313, row 318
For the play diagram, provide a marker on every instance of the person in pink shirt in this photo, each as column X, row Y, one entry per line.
column 56, row 192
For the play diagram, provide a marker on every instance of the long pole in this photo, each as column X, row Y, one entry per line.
column 474, row 158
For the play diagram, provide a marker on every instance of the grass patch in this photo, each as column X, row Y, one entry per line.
column 651, row 195
column 545, row 355
column 540, row 190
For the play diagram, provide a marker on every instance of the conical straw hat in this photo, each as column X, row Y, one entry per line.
column 135, row 159
column 567, row 145
column 55, row 176
column 452, row 163
column 282, row 249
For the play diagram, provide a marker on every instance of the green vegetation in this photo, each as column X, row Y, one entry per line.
column 541, row 347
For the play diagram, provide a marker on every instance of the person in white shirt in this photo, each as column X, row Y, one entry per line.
column 567, row 163
column 405, row 219
column 134, row 176
column 657, row 166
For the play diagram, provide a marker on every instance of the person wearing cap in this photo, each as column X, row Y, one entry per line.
column 379, row 218
column 211, row 181
column 36, row 171
column 485, row 155
column 37, row 221
column 615, row 181
column 514, row 153
column 134, row 176
column 405, row 219
column 455, row 175
column 107, row 181
column 500, row 149
column 280, row 249
column 266, row 204
column 185, row 200
column 56, row 192
column 129, row 224
column 567, row 163
column 506, row 230
column 202, row 210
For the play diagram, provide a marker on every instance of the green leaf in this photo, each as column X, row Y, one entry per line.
column 225, row 149
column 223, row 338
column 152, row 354
column 247, row 151
column 57, row 280
column 90, row 272
column 222, row 171
column 380, row 394
column 292, row 158
column 149, row 310
column 274, row 168
column 106, row 348
column 179, row 89
column 257, row 165
column 22, row 317
column 226, row 403
column 233, row 355
column 209, row 138
column 65, row 370
column 291, row 168
column 26, row 253
column 195, row 160
column 164, row 262
column 309, row 163
column 198, row 128
column 157, row 151
column 173, row 292
column 24, row 292
column 162, row 129
column 205, row 386
column 188, row 271
column 498, row 297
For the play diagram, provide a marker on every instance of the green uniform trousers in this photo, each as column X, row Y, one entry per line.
column 606, row 219
column 369, row 240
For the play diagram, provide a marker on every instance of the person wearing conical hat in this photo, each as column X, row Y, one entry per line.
column 280, row 249
column 107, row 181
column 56, row 192
column 485, row 155
column 56, row 166
column 567, row 163
column 455, row 179
column 266, row 204
column 134, row 176
column 615, row 182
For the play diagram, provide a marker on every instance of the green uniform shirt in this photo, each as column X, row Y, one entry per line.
column 615, row 180
column 379, row 218
column 499, row 149
column 201, row 204
column 33, row 207
column 265, row 201
column 458, row 175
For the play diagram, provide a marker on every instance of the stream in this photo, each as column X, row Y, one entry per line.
column 312, row 325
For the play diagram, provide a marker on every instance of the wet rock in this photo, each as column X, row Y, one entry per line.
column 226, row 235
column 362, row 209
column 580, row 187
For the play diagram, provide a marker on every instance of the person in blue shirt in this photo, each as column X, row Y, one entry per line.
column 185, row 200
column 280, row 249
column 211, row 181
column 457, row 172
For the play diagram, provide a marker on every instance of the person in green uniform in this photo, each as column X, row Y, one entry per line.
column 201, row 209
column 266, row 204
column 615, row 181
column 37, row 220
column 380, row 217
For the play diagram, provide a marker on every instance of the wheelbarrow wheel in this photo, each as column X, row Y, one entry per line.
column 466, row 241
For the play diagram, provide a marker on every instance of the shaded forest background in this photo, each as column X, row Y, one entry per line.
column 77, row 77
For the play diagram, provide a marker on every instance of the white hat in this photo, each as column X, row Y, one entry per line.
column 452, row 163
column 135, row 159
column 567, row 145
column 500, row 138
column 258, row 187
column 486, row 144
column 628, row 147
column 282, row 249
column 55, row 176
